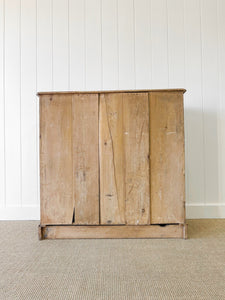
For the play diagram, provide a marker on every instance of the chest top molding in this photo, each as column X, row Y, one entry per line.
column 111, row 91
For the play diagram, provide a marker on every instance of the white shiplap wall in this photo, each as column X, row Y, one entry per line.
column 107, row 44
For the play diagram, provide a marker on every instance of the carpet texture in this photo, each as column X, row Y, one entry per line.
column 112, row 269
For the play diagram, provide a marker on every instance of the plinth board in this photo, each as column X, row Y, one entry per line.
column 113, row 231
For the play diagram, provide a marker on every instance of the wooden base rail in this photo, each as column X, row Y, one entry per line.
column 112, row 231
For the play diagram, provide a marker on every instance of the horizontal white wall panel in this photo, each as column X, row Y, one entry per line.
column 60, row 45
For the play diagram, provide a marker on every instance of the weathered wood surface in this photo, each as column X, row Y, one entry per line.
column 115, row 231
column 167, row 158
column 85, row 159
column 124, row 158
column 112, row 158
column 136, row 147
column 112, row 161
column 56, row 171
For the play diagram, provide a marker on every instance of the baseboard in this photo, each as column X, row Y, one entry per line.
column 205, row 211
column 193, row 211
column 112, row 231
column 20, row 213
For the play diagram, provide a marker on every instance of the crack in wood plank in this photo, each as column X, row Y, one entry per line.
column 113, row 159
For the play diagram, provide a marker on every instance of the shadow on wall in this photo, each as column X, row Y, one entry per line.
column 202, row 161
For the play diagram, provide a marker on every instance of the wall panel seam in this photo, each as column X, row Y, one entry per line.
column 167, row 42
column 37, row 106
column 101, row 13
column 220, row 111
column 20, row 97
column 186, row 131
column 134, row 43
column 85, row 48
column 4, row 109
column 150, row 39
column 68, row 36
column 202, row 96
column 117, row 38
column 52, row 50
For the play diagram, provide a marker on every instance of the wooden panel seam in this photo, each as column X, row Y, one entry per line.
column 99, row 176
column 150, row 209
column 73, row 213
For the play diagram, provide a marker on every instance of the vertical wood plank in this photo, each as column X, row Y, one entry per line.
column 93, row 44
column 136, row 143
column 159, row 42
column 142, row 44
column 28, row 103
column 194, row 139
column 167, row 158
column 44, row 46
column 56, row 163
column 109, row 45
column 210, row 91
column 2, row 103
column 77, row 44
column 112, row 164
column 85, row 158
column 12, row 103
column 126, row 44
column 60, row 45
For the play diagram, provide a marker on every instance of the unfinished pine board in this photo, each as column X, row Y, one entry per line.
column 112, row 91
column 167, row 158
column 112, row 232
column 112, row 167
column 112, row 164
column 85, row 159
column 56, row 172
column 136, row 148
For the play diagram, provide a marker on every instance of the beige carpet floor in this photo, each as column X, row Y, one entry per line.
column 112, row 269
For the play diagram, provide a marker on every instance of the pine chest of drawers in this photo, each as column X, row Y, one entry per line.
column 112, row 164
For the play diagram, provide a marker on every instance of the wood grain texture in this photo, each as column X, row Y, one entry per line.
column 85, row 159
column 56, row 159
column 116, row 232
column 136, row 145
column 111, row 91
column 167, row 158
column 111, row 146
